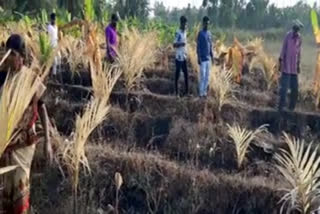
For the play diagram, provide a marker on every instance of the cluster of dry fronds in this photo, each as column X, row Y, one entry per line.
column 16, row 95
column 136, row 52
column 300, row 168
column 221, row 85
column 73, row 50
column 264, row 61
column 242, row 139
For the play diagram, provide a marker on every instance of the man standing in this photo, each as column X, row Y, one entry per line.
column 290, row 66
column 112, row 38
column 53, row 36
column 205, row 54
column 180, row 43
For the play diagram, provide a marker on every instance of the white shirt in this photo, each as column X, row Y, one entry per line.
column 53, row 35
column 181, row 52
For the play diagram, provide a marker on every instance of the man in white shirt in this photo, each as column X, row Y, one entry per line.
column 53, row 36
column 180, row 43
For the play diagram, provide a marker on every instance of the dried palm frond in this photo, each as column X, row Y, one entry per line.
column 221, row 51
column 74, row 155
column 300, row 167
column 16, row 96
column 221, row 86
column 236, row 61
column 242, row 138
column 95, row 113
column 136, row 52
column 7, row 169
column 73, row 50
column 255, row 45
column 269, row 67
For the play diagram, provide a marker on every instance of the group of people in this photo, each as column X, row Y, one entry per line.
column 20, row 152
column 289, row 61
column 204, row 52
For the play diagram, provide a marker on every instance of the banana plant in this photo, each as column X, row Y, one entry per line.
column 45, row 48
column 316, row 31
column 89, row 13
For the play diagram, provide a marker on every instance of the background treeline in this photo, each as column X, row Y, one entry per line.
column 246, row 14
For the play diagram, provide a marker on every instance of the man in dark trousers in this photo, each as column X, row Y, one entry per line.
column 289, row 61
column 180, row 44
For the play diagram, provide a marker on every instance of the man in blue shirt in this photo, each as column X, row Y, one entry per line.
column 205, row 56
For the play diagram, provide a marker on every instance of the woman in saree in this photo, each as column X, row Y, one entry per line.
column 20, row 152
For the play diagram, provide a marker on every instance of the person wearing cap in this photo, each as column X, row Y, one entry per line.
column 112, row 38
column 205, row 56
column 20, row 152
column 53, row 33
column 289, row 62
column 180, row 43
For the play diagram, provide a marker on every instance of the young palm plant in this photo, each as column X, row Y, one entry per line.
column 300, row 167
column 242, row 138
column 45, row 48
column 221, row 86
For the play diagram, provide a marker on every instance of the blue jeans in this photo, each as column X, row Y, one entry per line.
column 288, row 81
column 204, row 78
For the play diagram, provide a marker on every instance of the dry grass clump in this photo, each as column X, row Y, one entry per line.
column 242, row 138
column 300, row 167
column 73, row 50
column 269, row 67
column 192, row 54
column 264, row 61
column 255, row 45
column 136, row 52
column 221, row 85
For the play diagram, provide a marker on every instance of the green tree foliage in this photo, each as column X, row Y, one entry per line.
column 132, row 8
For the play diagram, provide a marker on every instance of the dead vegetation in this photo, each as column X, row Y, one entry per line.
column 150, row 152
